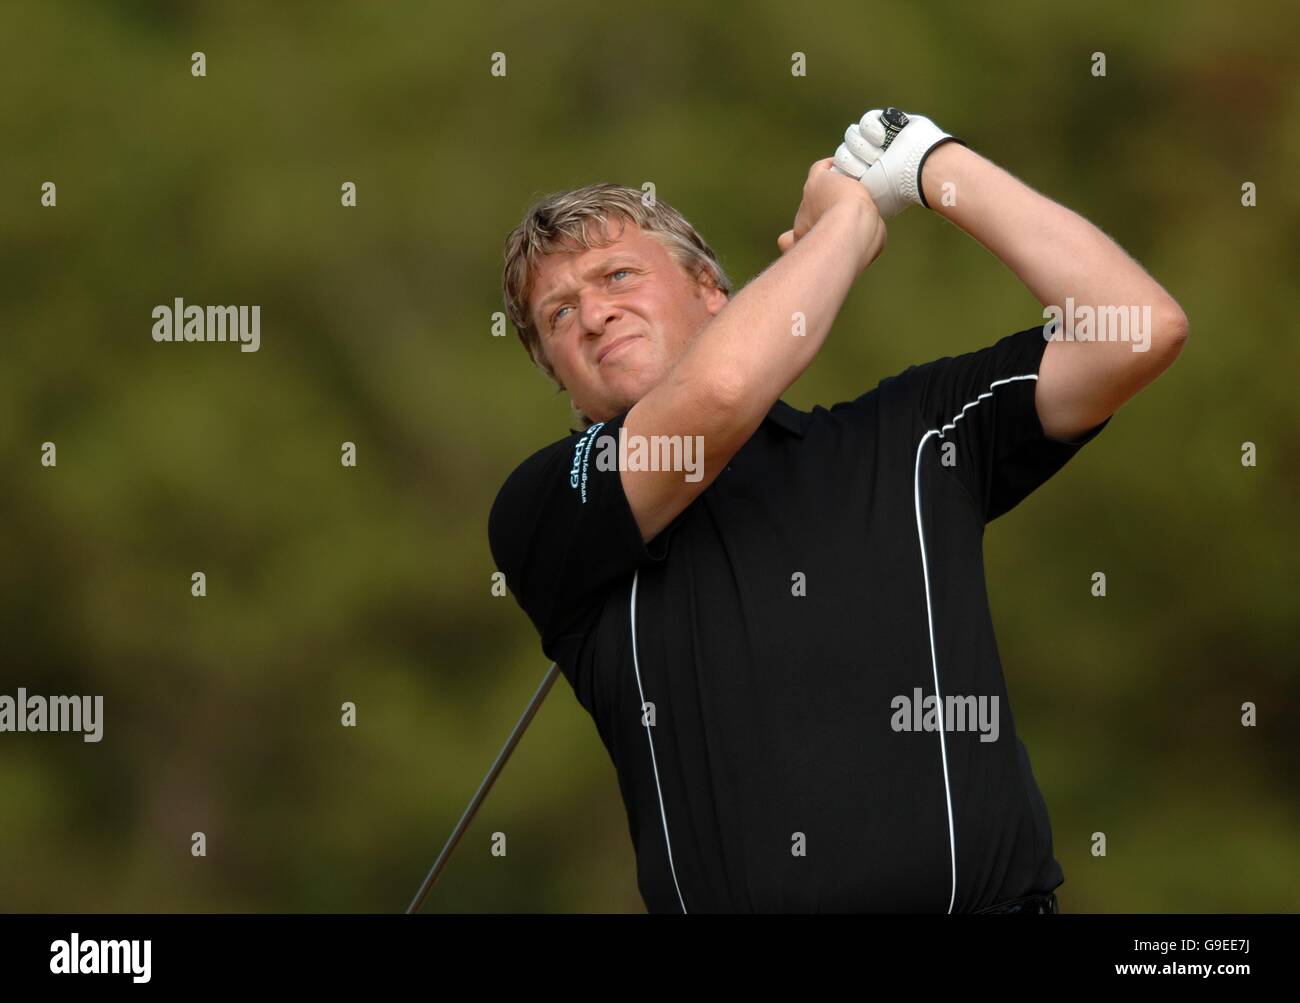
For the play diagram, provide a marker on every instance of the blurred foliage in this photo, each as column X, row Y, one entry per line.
column 371, row 584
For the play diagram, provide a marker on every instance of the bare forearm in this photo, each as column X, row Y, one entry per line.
column 770, row 332
column 743, row 359
column 1061, row 257
column 1055, row 252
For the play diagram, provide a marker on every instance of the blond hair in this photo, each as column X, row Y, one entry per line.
column 558, row 222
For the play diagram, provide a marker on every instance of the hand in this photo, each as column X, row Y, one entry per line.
column 826, row 190
column 891, row 173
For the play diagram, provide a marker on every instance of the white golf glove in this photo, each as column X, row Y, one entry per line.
column 886, row 151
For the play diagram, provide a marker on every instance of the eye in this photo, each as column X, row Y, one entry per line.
column 555, row 317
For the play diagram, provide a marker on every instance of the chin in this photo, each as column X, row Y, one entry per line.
column 610, row 408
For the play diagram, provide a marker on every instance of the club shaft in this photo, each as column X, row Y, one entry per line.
column 483, row 789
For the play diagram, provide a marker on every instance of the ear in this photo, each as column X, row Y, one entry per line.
column 714, row 298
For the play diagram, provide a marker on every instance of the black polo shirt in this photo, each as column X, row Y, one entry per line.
column 780, row 626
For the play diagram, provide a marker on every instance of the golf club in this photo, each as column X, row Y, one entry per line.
column 483, row 789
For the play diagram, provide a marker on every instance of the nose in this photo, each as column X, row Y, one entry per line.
column 597, row 311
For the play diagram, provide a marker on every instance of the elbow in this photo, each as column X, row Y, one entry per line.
column 1176, row 325
column 1169, row 331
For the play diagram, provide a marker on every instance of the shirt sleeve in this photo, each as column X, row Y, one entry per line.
column 983, row 403
column 562, row 531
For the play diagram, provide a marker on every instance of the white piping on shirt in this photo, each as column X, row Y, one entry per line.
column 636, row 665
column 929, row 614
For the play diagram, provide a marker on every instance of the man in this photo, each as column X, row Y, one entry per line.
column 783, row 636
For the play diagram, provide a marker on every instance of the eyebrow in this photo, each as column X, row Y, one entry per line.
column 597, row 269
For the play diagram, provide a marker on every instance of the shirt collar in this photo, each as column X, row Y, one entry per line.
column 781, row 413
column 787, row 417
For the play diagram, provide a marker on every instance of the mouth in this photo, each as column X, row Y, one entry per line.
column 614, row 346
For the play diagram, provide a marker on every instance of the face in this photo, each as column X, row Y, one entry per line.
column 614, row 319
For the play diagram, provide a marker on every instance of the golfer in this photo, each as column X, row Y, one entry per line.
column 777, row 619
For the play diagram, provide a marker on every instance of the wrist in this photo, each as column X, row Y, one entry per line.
column 858, row 225
column 938, row 169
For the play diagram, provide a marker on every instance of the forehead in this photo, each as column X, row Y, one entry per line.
column 561, row 271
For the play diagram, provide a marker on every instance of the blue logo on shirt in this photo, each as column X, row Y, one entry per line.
column 581, row 457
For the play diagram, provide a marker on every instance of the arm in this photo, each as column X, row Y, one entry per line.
column 1058, row 254
column 742, row 360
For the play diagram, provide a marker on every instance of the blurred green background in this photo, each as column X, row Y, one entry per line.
column 328, row 584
